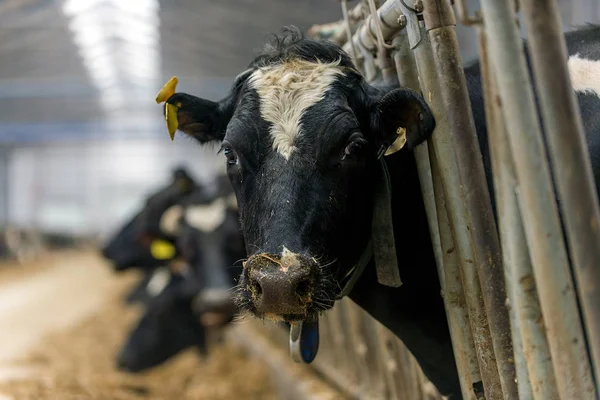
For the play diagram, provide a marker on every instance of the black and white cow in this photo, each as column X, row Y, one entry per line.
column 131, row 246
column 185, row 302
column 301, row 132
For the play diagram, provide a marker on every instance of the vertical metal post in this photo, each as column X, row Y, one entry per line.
column 542, row 225
column 570, row 158
column 448, row 268
column 482, row 235
column 444, row 164
column 529, row 337
column 508, row 213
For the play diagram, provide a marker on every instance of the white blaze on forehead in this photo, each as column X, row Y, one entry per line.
column 206, row 218
column 585, row 75
column 286, row 90
column 169, row 222
column 158, row 282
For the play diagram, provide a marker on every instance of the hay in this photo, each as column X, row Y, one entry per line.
column 78, row 363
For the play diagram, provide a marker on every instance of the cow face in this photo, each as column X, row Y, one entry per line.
column 168, row 326
column 301, row 132
column 125, row 249
column 138, row 242
column 211, row 242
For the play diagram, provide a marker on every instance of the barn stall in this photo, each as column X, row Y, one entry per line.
column 83, row 145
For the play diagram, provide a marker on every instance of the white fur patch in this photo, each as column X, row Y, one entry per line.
column 288, row 259
column 231, row 202
column 169, row 221
column 585, row 75
column 158, row 282
column 206, row 218
column 286, row 90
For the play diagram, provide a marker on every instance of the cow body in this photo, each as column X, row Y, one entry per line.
column 195, row 293
column 301, row 132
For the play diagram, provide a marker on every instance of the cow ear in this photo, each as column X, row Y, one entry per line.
column 402, row 118
column 201, row 119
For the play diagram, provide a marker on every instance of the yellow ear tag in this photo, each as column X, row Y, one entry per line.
column 398, row 143
column 167, row 91
column 171, row 118
column 162, row 250
column 170, row 110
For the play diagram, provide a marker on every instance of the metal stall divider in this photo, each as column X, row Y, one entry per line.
column 520, row 288
column 541, row 220
column 525, row 309
column 485, row 349
column 478, row 246
column 441, row 149
column 542, row 322
column 570, row 160
column 448, row 268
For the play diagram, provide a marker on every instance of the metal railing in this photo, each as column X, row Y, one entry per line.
column 362, row 358
column 513, row 295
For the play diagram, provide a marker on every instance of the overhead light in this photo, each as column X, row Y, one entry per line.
column 118, row 41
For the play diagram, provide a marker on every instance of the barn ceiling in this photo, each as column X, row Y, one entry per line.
column 83, row 69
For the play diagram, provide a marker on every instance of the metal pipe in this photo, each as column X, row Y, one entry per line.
column 481, row 240
column 505, row 209
column 442, row 154
column 448, row 269
column 535, row 375
column 389, row 16
column 542, row 225
column 456, row 303
column 408, row 77
column 348, row 28
column 570, row 159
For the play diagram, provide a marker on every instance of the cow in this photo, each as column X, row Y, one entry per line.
column 141, row 242
column 131, row 246
column 167, row 327
column 303, row 136
column 187, row 300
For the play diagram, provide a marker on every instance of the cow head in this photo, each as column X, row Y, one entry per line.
column 168, row 326
column 211, row 242
column 146, row 240
column 301, row 132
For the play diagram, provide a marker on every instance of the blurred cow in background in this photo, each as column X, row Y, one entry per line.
column 194, row 293
column 141, row 243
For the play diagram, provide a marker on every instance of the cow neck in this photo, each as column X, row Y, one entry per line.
column 381, row 247
column 304, row 335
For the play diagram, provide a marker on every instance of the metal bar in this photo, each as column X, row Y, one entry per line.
column 461, row 327
column 529, row 339
column 483, row 237
column 454, row 300
column 570, row 158
column 542, row 225
column 348, row 28
column 408, row 77
column 389, row 16
column 452, row 229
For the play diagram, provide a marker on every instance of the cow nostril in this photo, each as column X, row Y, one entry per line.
column 255, row 288
column 303, row 289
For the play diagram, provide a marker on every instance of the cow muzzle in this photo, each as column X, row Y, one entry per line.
column 281, row 285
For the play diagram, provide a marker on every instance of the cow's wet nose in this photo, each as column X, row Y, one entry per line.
column 281, row 286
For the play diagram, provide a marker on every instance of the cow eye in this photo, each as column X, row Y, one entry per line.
column 230, row 155
column 355, row 145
